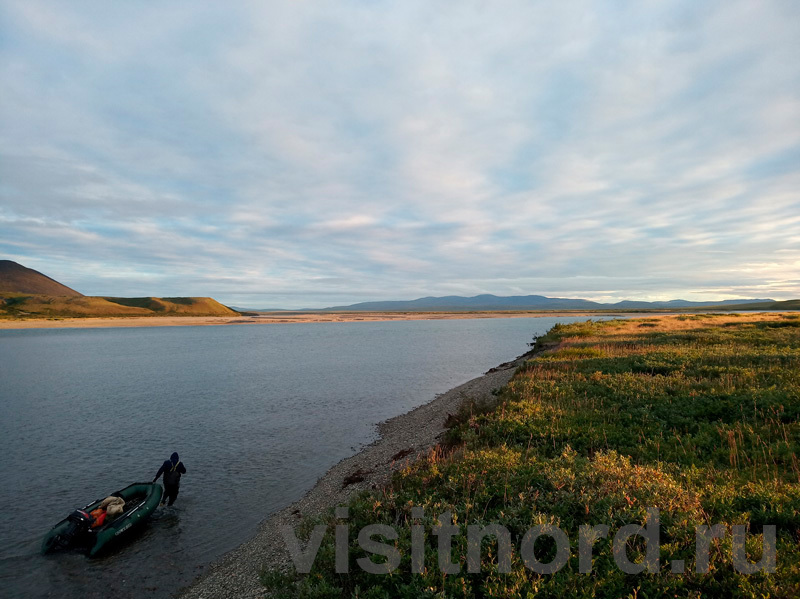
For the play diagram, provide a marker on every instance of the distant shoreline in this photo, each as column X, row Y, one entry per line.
column 276, row 317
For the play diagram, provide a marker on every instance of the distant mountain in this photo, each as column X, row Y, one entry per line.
column 15, row 278
column 766, row 305
column 457, row 303
column 727, row 304
column 243, row 310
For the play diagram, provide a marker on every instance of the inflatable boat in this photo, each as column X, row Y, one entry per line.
column 81, row 530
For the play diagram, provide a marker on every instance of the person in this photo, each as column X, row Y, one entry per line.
column 172, row 470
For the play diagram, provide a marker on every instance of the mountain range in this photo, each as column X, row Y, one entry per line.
column 24, row 291
column 530, row 302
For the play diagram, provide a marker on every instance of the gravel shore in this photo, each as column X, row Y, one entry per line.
column 403, row 439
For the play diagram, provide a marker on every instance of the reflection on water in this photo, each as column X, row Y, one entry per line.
column 258, row 414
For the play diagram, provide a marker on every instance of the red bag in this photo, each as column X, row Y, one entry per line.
column 99, row 516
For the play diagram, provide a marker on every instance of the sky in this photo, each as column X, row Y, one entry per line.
column 309, row 154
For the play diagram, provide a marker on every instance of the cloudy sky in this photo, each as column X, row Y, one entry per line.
column 306, row 154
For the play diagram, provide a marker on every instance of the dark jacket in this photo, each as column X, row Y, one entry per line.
column 172, row 470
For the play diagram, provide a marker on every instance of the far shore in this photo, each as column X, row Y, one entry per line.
column 276, row 317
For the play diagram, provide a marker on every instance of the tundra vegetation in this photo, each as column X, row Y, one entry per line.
column 696, row 415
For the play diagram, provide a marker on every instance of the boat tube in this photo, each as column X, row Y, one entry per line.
column 75, row 531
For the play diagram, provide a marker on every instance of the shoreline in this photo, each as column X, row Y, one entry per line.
column 403, row 439
column 271, row 318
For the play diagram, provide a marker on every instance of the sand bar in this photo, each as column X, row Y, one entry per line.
column 269, row 318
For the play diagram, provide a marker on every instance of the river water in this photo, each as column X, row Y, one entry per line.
column 257, row 412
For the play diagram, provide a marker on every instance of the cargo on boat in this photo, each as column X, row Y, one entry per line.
column 98, row 524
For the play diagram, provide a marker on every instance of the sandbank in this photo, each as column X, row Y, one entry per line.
column 268, row 318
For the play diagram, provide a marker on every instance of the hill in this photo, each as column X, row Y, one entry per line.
column 486, row 302
column 767, row 305
column 27, row 293
column 15, row 278
column 175, row 306
column 49, row 306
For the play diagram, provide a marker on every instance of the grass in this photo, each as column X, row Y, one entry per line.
column 698, row 416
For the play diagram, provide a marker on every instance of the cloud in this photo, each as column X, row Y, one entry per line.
column 301, row 154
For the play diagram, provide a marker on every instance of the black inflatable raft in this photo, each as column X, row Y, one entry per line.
column 75, row 530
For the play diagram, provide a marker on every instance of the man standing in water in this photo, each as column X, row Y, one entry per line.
column 172, row 470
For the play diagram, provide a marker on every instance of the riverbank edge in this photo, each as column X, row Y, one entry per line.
column 402, row 440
